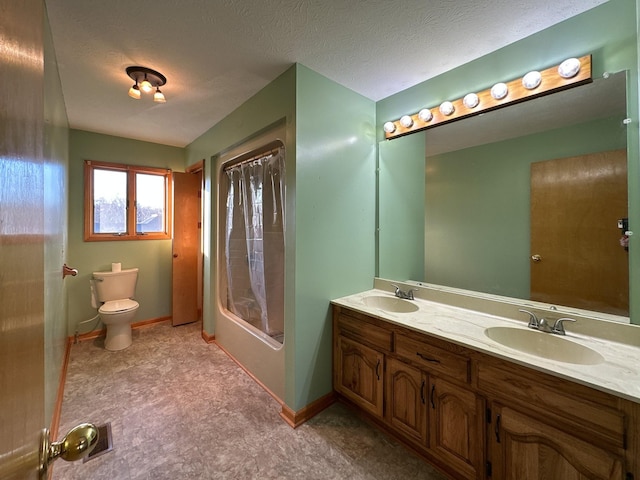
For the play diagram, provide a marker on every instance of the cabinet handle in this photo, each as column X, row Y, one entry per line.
column 433, row 392
column 378, row 369
column 497, row 429
column 422, row 392
column 423, row 357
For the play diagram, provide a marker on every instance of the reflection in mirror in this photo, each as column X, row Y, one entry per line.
column 487, row 178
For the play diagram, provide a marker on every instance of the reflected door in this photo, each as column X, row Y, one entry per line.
column 576, row 256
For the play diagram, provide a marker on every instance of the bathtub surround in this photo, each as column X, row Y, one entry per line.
column 180, row 408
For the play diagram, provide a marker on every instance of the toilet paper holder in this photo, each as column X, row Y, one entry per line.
column 66, row 270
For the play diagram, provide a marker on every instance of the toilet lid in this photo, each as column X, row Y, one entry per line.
column 116, row 306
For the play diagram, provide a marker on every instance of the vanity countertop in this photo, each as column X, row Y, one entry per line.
column 618, row 374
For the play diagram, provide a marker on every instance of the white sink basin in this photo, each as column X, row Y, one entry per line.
column 390, row 304
column 545, row 345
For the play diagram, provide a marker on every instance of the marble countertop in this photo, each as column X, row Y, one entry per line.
column 618, row 373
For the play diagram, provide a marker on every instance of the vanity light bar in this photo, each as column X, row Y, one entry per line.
column 570, row 73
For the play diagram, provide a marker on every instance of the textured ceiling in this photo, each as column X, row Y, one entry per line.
column 218, row 53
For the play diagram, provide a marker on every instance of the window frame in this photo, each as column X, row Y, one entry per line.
column 131, row 208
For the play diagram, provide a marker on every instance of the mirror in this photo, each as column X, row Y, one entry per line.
column 478, row 229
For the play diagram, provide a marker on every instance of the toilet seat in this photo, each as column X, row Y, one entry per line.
column 118, row 306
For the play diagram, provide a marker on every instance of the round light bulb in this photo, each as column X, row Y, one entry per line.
column 158, row 97
column 389, row 127
column 406, row 121
column 134, row 92
column 471, row 100
column 425, row 115
column 146, row 86
column 569, row 68
column 499, row 91
column 447, row 108
column 531, row 80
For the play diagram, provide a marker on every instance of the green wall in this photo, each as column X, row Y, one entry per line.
column 152, row 257
column 330, row 206
column 477, row 206
column 608, row 32
column 334, row 222
column 55, row 156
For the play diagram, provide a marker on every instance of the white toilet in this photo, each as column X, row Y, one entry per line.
column 113, row 293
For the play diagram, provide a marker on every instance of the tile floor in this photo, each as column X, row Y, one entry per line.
column 181, row 409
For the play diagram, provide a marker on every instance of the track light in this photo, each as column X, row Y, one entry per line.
column 146, row 80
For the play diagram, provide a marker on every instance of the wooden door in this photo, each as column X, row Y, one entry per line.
column 523, row 448
column 360, row 375
column 186, row 247
column 456, row 426
column 22, row 240
column 575, row 205
column 406, row 394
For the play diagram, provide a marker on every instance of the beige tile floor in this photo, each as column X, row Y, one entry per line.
column 181, row 409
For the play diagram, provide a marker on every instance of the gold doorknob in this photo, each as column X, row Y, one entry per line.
column 536, row 258
column 76, row 444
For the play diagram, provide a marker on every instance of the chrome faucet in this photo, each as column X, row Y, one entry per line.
column 544, row 325
column 408, row 295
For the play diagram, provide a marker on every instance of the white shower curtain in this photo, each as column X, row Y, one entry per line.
column 254, row 242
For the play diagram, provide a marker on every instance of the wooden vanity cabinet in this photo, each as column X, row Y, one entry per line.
column 359, row 348
column 456, row 427
column 418, row 390
column 543, row 427
column 479, row 417
column 359, row 375
column 523, row 448
column 406, row 392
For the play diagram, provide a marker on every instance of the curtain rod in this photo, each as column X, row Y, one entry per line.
column 264, row 153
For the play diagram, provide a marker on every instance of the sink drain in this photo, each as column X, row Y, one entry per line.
column 104, row 443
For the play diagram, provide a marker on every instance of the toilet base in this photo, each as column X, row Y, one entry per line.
column 118, row 336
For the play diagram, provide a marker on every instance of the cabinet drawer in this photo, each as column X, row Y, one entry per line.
column 585, row 412
column 364, row 332
column 433, row 358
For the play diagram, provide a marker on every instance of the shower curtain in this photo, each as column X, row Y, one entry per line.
column 254, row 242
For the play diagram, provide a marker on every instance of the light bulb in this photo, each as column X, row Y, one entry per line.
column 569, row 68
column 406, row 121
column 447, row 108
column 471, row 100
column 146, row 86
column 499, row 91
column 134, row 92
column 425, row 115
column 159, row 96
column 531, row 80
column 389, row 127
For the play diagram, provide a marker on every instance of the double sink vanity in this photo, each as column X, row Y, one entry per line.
column 481, row 387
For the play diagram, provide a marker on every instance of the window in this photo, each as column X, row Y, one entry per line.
column 126, row 202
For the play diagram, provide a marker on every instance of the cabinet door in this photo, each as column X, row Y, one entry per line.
column 523, row 448
column 456, row 426
column 406, row 390
column 360, row 375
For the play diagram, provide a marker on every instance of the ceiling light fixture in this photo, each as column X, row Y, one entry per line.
column 146, row 80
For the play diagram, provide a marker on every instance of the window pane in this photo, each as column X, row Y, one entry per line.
column 150, row 204
column 109, row 201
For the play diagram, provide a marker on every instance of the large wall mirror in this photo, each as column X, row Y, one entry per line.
column 497, row 185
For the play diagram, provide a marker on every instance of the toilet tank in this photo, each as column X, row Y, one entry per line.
column 115, row 285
